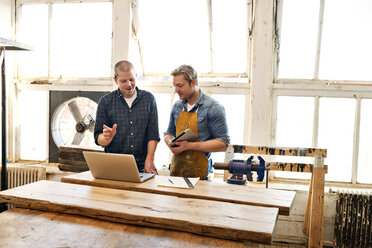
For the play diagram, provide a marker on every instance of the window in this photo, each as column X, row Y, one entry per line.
column 33, row 111
column 336, row 129
column 234, row 108
column 34, row 31
column 346, row 41
column 294, row 128
column 175, row 32
column 298, row 38
column 81, row 43
column 230, row 35
column 365, row 143
column 163, row 102
column 342, row 32
column 328, row 42
column 294, row 121
column 212, row 36
column 80, row 40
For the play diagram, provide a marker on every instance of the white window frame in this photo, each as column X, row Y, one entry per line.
column 320, row 88
column 227, row 83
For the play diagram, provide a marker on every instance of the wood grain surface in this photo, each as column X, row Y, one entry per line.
column 208, row 218
column 281, row 199
column 39, row 229
column 71, row 157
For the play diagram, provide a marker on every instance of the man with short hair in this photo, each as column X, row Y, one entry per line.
column 202, row 115
column 127, row 120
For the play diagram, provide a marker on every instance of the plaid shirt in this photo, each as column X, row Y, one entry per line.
column 136, row 125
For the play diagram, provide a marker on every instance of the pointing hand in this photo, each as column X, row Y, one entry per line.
column 109, row 133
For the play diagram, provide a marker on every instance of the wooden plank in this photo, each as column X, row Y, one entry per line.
column 317, row 207
column 275, row 166
column 306, row 224
column 33, row 228
column 284, row 151
column 71, row 157
column 208, row 218
column 79, row 149
column 294, row 167
column 281, row 199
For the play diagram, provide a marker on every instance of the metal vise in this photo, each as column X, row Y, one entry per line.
column 239, row 167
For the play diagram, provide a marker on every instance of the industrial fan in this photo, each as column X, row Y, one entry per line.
column 72, row 119
column 73, row 122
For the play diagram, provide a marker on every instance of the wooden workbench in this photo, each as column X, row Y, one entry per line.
column 205, row 217
column 281, row 199
column 33, row 228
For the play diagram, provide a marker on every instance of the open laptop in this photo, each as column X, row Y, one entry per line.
column 113, row 166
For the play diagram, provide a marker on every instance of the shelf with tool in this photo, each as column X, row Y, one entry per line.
column 238, row 167
column 314, row 214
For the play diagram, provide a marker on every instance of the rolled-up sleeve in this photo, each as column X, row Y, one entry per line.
column 153, row 126
column 100, row 119
column 171, row 130
column 217, row 123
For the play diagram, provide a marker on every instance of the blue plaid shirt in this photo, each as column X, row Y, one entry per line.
column 136, row 125
column 211, row 119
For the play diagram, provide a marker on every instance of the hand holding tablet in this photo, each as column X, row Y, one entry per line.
column 186, row 135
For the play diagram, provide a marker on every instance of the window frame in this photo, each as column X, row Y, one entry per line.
column 211, row 83
column 318, row 88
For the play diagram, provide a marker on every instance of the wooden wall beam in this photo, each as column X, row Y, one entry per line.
column 284, row 151
column 293, row 167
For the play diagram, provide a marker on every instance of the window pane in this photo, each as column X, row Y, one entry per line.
column 34, row 32
column 134, row 56
column 336, row 129
column 229, row 36
column 298, row 38
column 294, row 121
column 33, row 109
column 346, row 42
column 6, row 16
column 294, row 129
column 235, row 108
column 163, row 102
column 81, row 43
column 174, row 32
column 365, row 143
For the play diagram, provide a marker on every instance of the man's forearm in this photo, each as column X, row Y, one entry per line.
column 151, row 148
column 208, row 146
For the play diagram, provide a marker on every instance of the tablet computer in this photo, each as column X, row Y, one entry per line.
column 186, row 135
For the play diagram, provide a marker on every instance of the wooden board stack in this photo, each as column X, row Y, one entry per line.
column 204, row 217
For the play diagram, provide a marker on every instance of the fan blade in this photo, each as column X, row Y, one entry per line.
column 91, row 126
column 77, row 138
column 75, row 111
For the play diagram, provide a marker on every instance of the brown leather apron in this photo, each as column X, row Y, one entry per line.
column 189, row 163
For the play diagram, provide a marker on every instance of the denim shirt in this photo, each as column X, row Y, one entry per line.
column 136, row 125
column 211, row 119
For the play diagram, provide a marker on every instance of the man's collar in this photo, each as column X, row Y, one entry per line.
column 199, row 102
column 139, row 92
